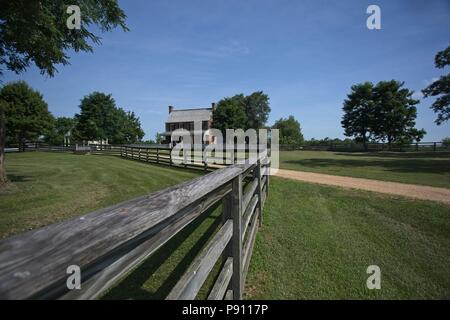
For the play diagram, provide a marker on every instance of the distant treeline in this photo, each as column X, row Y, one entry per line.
column 27, row 118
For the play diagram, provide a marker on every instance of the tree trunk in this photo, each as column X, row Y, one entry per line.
column 3, row 178
column 365, row 143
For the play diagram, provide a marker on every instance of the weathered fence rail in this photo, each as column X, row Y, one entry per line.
column 108, row 243
column 196, row 159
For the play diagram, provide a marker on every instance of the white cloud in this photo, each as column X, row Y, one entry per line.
column 227, row 49
column 417, row 95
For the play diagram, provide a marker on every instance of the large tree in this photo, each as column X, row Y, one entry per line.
column 242, row 112
column 26, row 113
column 440, row 88
column 35, row 31
column 133, row 129
column 97, row 118
column 257, row 110
column 100, row 119
column 290, row 131
column 358, row 112
column 127, row 128
column 230, row 114
column 394, row 111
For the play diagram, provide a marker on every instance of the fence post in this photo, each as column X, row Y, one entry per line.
column 157, row 155
column 259, row 189
column 434, row 146
column 269, row 161
column 234, row 208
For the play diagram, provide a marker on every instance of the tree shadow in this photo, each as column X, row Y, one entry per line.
column 400, row 165
column 131, row 287
column 402, row 155
column 190, row 169
column 17, row 178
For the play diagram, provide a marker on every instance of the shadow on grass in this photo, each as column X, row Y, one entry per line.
column 131, row 286
column 192, row 169
column 409, row 155
column 405, row 165
column 16, row 178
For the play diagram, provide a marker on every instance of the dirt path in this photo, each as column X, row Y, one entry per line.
column 401, row 189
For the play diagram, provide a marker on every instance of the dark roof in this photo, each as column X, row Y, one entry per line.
column 189, row 115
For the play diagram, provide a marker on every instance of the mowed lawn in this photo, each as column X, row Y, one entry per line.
column 49, row 187
column 317, row 242
column 424, row 168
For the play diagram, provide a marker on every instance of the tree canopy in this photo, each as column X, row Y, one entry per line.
column 290, row 131
column 100, row 118
column 358, row 111
column 230, row 114
column 440, row 89
column 383, row 112
column 257, row 109
column 394, row 113
column 36, row 31
column 25, row 111
column 242, row 112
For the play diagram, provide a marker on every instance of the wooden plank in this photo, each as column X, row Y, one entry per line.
column 249, row 193
column 220, row 286
column 246, row 243
column 248, row 214
column 248, row 248
column 236, row 241
column 35, row 260
column 264, row 195
column 226, row 215
column 229, row 295
column 191, row 282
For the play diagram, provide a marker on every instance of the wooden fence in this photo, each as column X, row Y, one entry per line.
column 371, row 147
column 108, row 243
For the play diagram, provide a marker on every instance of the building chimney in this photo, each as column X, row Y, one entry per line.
column 213, row 106
column 170, row 109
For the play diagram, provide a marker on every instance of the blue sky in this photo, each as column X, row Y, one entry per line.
column 304, row 54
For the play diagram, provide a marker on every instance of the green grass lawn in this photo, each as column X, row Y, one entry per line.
column 431, row 168
column 316, row 243
column 49, row 187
